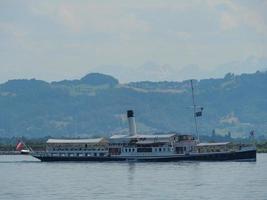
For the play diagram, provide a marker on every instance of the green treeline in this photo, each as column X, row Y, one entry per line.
column 97, row 103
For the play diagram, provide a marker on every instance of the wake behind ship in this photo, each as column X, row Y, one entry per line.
column 148, row 148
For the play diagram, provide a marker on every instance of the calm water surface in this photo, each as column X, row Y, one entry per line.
column 23, row 177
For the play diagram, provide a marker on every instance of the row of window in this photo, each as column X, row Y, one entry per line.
column 210, row 150
column 116, row 144
column 160, row 149
column 123, row 144
column 55, row 149
column 77, row 155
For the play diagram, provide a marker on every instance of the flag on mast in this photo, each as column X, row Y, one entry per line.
column 199, row 113
column 19, row 146
column 252, row 133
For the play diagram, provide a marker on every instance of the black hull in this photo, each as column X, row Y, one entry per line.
column 249, row 155
column 25, row 153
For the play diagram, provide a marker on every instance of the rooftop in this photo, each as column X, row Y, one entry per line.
column 213, row 144
column 68, row 141
column 161, row 136
column 118, row 136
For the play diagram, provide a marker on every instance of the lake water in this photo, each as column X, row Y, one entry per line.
column 23, row 177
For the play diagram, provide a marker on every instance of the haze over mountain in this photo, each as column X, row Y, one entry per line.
column 96, row 105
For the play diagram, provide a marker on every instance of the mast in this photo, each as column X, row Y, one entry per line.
column 195, row 109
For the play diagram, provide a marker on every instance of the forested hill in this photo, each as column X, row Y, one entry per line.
column 96, row 105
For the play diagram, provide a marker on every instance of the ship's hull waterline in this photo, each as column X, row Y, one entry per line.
column 249, row 155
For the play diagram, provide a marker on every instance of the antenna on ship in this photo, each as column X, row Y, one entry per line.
column 196, row 113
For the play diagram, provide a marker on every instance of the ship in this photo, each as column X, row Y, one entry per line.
column 170, row 147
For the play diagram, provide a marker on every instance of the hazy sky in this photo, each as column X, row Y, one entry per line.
column 131, row 40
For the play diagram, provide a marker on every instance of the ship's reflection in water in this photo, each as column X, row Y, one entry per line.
column 131, row 170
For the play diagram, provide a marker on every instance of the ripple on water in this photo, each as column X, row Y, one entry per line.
column 23, row 177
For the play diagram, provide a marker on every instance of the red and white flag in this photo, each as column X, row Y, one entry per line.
column 19, row 146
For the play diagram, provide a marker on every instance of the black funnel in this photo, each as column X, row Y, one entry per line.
column 130, row 113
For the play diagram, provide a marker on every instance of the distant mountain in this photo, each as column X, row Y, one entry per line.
column 93, row 79
column 99, row 79
column 96, row 105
